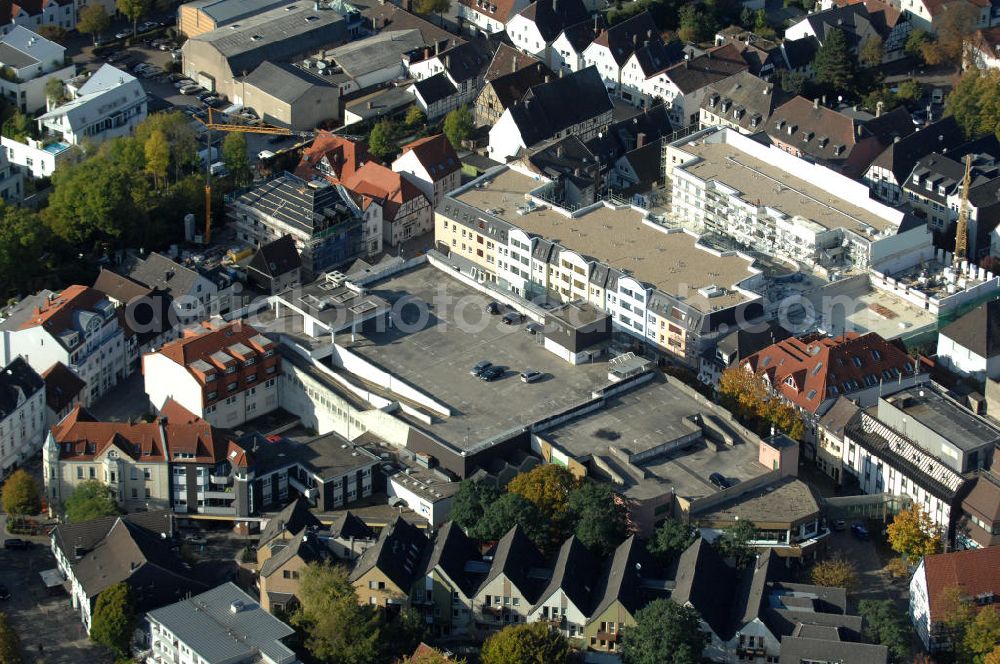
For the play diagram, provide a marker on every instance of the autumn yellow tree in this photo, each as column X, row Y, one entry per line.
column 981, row 636
column 913, row 535
column 157, row 152
column 835, row 573
column 746, row 394
column 548, row 487
column 993, row 657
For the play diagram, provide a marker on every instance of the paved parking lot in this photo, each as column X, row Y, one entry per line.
column 44, row 618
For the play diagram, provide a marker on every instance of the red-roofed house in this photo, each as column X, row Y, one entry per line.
column 331, row 157
column 226, row 375
column 406, row 211
column 179, row 462
column 78, row 327
column 432, row 165
column 811, row 372
column 976, row 575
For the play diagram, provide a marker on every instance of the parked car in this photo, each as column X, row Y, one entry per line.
column 123, row 34
column 176, row 77
column 859, row 530
column 493, row 308
column 719, row 480
column 512, row 318
column 530, row 376
column 202, row 96
column 15, row 543
column 480, row 367
column 492, row 373
column 534, row 328
column 190, row 89
column 197, row 540
column 840, row 525
column 182, row 82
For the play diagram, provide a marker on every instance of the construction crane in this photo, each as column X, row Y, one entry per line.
column 962, row 230
column 221, row 126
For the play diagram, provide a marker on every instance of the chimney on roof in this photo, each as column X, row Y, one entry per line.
column 896, row 139
column 447, row 62
column 437, row 47
column 649, row 33
column 823, row 100
column 635, row 41
column 559, row 151
column 878, row 108
column 816, row 102
column 640, row 139
column 555, row 6
column 561, row 72
column 860, row 127
column 427, row 53
column 548, row 78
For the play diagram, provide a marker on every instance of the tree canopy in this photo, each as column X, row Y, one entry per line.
column 837, row 572
column 834, row 64
column 471, row 502
column 509, row 510
column 746, row 395
column 975, row 102
column 547, row 486
column 734, row 542
column 92, row 20
column 458, row 126
column 913, row 534
column 114, row 619
column 234, row 156
column 382, row 139
column 872, row 51
column 670, row 539
column 20, row 492
column 90, row 500
column 601, row 517
column 885, row 624
column 532, row 643
column 133, row 10
column 664, row 633
column 10, row 644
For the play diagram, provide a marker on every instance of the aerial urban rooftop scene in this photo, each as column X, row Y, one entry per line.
column 500, row 332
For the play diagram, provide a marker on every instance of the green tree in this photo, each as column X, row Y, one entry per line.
column 24, row 239
column 92, row 199
column 837, row 572
column 975, row 102
column 382, row 140
column 510, row 510
column 664, row 633
column 157, row 152
column 912, row 534
column 600, row 515
column 872, row 51
column 471, row 502
column 133, row 10
column 793, row 82
column 90, row 500
column 981, row 636
column 400, row 635
column 695, row 26
column 439, row 7
column 908, row 91
column 10, row 645
column 54, row 90
column 234, row 156
column 20, row 494
column 414, row 116
column 114, row 619
column 670, row 539
column 458, row 126
column 337, row 629
column 915, row 41
column 53, row 33
column 533, row 643
column 18, row 127
column 885, row 625
column 735, row 543
column 93, row 20
column 180, row 135
column 834, row 65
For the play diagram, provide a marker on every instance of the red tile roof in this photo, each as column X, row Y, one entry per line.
column 891, row 14
column 332, row 157
column 436, row 155
column 809, row 370
column 386, row 186
column 215, row 347
column 974, row 572
column 499, row 10
column 57, row 315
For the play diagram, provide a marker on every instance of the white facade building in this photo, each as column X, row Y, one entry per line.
column 39, row 158
column 32, row 60
column 22, row 414
column 77, row 327
column 109, row 104
column 425, row 492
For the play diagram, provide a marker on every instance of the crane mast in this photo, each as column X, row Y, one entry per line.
column 962, row 229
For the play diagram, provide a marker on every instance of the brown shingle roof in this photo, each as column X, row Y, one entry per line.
column 386, row 186
column 716, row 64
column 506, row 60
column 62, row 386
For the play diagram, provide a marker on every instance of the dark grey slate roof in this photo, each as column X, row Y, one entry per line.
column 621, row 579
column 277, row 257
column 283, row 81
column 451, row 550
column 305, row 544
column 580, row 35
column 467, row 60
column 552, row 16
column 574, row 572
column 978, row 330
column 702, row 578
column 799, row 53
column 397, row 554
column 552, row 107
column 795, row 650
column 901, row 156
column 158, row 271
column 435, row 88
column 18, row 383
column 347, row 525
column 293, row 518
column 514, row 556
